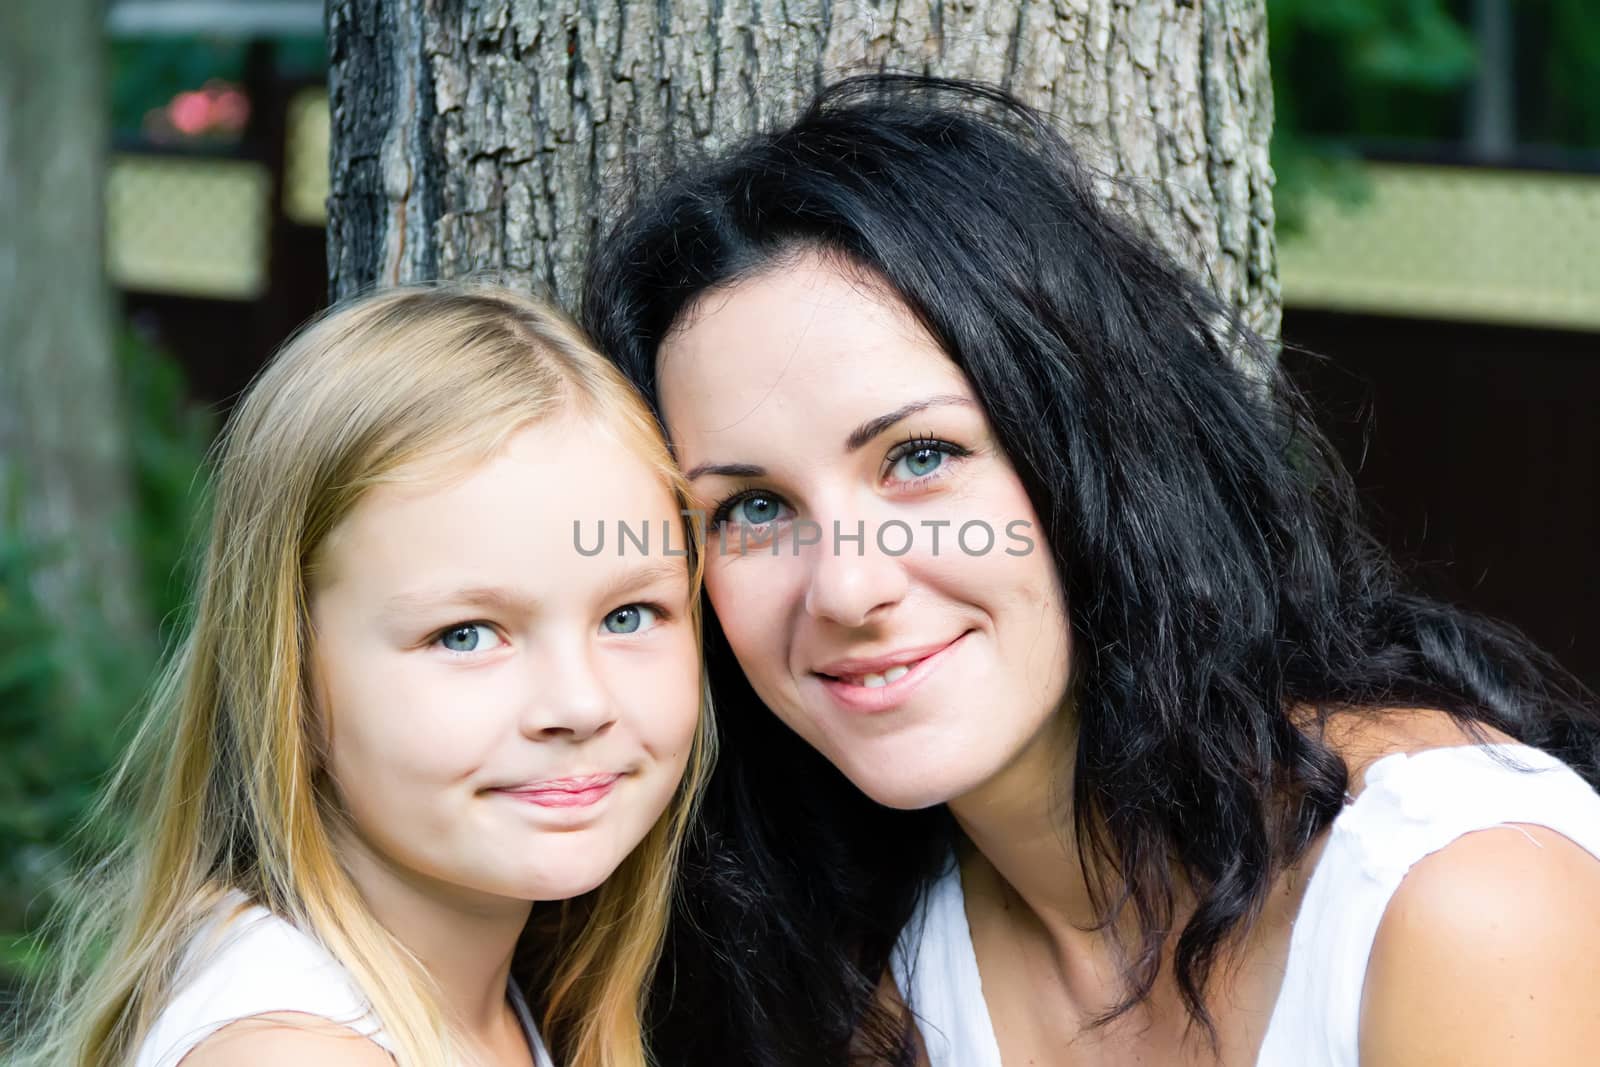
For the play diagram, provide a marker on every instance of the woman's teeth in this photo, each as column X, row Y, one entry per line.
column 878, row 681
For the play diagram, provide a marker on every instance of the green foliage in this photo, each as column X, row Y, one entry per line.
column 65, row 709
column 31, row 666
column 1343, row 69
column 1369, row 68
column 1560, row 103
column 1364, row 72
column 170, row 438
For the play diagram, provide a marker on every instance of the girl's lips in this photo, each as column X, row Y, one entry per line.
column 866, row 699
column 564, row 792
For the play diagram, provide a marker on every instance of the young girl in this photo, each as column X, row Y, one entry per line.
column 420, row 762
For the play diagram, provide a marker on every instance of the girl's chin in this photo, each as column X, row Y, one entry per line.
column 557, row 881
column 554, row 888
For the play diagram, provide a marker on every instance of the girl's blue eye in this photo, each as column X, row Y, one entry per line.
column 632, row 619
column 470, row 637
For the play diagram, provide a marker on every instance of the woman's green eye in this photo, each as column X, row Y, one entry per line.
column 630, row 620
column 757, row 510
column 750, row 511
column 918, row 463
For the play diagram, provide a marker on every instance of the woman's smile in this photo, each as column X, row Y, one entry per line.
column 883, row 683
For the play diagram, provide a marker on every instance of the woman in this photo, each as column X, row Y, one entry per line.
column 420, row 763
column 1163, row 754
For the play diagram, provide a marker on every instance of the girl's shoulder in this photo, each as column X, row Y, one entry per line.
column 248, row 963
column 272, row 1040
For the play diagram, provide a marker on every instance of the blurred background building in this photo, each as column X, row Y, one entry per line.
column 214, row 193
column 1440, row 215
column 1439, row 204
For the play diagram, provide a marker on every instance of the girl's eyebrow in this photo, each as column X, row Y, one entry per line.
column 858, row 437
column 652, row 572
column 486, row 596
column 500, row 599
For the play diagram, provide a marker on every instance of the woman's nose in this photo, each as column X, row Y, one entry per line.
column 851, row 579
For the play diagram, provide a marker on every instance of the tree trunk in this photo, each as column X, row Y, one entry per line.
column 479, row 136
column 65, row 482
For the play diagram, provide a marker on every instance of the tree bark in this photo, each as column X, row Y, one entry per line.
column 481, row 136
column 65, row 473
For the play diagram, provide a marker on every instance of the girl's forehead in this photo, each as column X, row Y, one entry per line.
column 535, row 447
column 517, row 507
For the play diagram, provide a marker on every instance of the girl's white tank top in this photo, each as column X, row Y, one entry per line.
column 251, row 962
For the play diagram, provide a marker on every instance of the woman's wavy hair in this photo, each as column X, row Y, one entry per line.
column 1224, row 595
column 226, row 779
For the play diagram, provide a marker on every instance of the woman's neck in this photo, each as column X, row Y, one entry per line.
column 1028, row 871
column 465, row 939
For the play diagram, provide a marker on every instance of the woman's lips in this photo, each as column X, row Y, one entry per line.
column 889, row 679
column 564, row 792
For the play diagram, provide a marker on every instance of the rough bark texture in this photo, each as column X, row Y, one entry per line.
column 481, row 136
column 64, row 468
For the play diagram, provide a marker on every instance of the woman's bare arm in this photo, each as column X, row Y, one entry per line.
column 1489, row 953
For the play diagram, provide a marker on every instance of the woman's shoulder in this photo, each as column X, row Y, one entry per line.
column 1486, row 954
column 1419, row 780
column 1460, row 868
column 246, row 963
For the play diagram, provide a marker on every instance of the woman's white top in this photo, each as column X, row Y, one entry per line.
column 252, row 962
column 1410, row 807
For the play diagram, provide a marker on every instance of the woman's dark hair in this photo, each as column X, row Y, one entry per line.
column 1224, row 596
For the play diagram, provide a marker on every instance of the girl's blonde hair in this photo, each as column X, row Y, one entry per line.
column 224, row 774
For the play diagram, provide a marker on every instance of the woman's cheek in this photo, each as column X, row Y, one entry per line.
column 749, row 607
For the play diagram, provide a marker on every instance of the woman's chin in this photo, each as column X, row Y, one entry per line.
column 911, row 785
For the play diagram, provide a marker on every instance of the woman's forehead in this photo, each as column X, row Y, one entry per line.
column 798, row 342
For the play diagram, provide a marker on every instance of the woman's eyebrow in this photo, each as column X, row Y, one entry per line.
column 858, row 437
column 727, row 470
column 873, row 427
